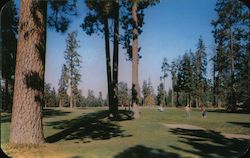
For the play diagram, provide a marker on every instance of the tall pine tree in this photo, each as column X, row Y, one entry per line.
column 73, row 62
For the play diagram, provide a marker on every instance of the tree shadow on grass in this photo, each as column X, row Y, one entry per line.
column 243, row 124
column 54, row 112
column 140, row 151
column 5, row 118
column 208, row 143
column 225, row 111
column 46, row 114
column 94, row 126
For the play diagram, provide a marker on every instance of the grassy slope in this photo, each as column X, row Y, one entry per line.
column 88, row 133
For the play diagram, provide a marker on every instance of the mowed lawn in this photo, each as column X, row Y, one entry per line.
column 88, row 133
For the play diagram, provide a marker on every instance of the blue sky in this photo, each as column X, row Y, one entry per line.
column 171, row 27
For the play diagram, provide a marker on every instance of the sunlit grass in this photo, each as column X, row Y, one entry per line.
column 88, row 133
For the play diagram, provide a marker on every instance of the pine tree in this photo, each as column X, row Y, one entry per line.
column 123, row 94
column 200, row 65
column 187, row 77
column 161, row 95
column 73, row 65
column 9, row 23
column 63, row 86
column 229, row 32
column 26, row 120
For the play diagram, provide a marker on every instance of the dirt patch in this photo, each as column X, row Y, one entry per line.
column 238, row 136
column 183, row 126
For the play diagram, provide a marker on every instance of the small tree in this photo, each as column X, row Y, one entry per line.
column 123, row 94
column 161, row 95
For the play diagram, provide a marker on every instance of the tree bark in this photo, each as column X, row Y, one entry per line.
column 135, row 82
column 26, row 121
column 108, row 65
column 116, row 58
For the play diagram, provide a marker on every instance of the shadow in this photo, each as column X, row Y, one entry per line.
column 123, row 115
column 46, row 114
column 5, row 118
column 140, row 151
column 243, row 124
column 225, row 111
column 54, row 112
column 94, row 126
column 209, row 143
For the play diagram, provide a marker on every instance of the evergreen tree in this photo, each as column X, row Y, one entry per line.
column 123, row 94
column 63, row 86
column 200, row 65
column 187, row 77
column 49, row 96
column 148, row 93
column 73, row 65
column 173, row 70
column 97, row 20
column 230, row 33
column 161, row 95
column 9, row 22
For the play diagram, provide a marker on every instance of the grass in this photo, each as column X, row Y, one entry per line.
column 77, row 133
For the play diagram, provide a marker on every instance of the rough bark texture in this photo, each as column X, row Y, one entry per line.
column 26, row 121
column 135, row 83
column 116, row 57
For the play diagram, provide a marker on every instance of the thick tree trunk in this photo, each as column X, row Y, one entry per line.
column 135, row 82
column 116, row 58
column 26, row 121
column 108, row 66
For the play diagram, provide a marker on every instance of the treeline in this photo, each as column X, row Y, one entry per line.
column 190, row 82
column 229, row 84
column 55, row 99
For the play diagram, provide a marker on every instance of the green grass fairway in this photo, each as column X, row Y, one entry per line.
column 88, row 133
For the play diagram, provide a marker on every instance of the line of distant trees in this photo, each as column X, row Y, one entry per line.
column 54, row 99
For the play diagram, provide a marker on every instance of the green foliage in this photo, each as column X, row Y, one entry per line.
column 123, row 94
column 60, row 14
column 91, row 100
column 161, row 95
column 9, row 26
column 63, row 86
column 50, row 96
column 148, row 93
column 231, row 58
column 127, row 22
column 73, row 62
column 165, row 68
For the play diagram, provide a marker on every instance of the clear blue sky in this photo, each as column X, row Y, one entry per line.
column 171, row 27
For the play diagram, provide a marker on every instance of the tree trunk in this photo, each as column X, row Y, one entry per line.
column 6, row 103
column 135, row 82
column 108, row 65
column 26, row 121
column 196, row 102
column 233, row 90
column 116, row 58
column 172, row 95
column 71, row 100
column 177, row 98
